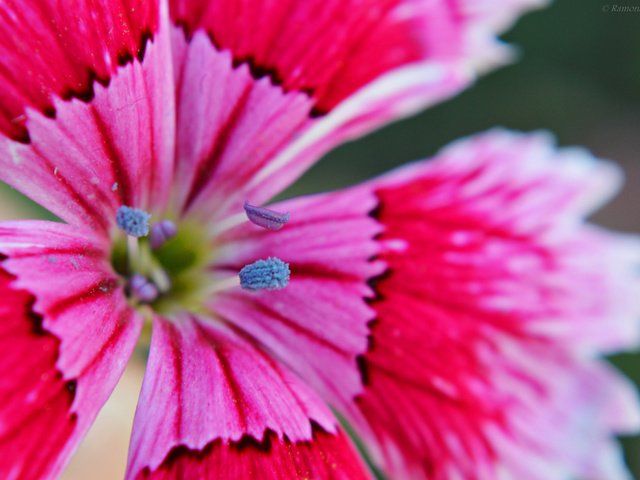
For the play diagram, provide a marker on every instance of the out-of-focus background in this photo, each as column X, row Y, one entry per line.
column 578, row 76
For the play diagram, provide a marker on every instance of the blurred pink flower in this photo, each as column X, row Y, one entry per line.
column 453, row 311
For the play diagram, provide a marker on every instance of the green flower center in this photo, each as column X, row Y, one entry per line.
column 176, row 273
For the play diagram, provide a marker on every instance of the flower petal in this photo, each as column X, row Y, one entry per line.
column 512, row 209
column 51, row 51
column 318, row 324
column 363, row 63
column 115, row 150
column 229, row 125
column 331, row 49
column 577, row 404
column 486, row 330
column 29, row 432
column 488, row 321
column 66, row 334
column 210, row 396
column 327, row 456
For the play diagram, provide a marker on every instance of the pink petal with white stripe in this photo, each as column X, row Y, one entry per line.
column 66, row 313
column 93, row 157
column 549, row 193
column 488, row 329
column 561, row 420
column 206, row 384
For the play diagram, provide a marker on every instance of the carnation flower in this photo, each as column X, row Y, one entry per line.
column 452, row 314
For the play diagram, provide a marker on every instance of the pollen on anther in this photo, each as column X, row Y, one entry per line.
column 269, row 274
column 133, row 221
column 266, row 218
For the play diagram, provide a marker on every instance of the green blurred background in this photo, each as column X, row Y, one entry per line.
column 578, row 76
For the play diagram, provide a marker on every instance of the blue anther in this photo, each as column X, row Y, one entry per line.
column 269, row 274
column 142, row 288
column 133, row 221
column 266, row 218
column 161, row 232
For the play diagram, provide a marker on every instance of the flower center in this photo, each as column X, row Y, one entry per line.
column 168, row 266
column 166, row 269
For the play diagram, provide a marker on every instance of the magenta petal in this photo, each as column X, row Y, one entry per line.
column 94, row 157
column 331, row 49
column 52, row 51
column 229, row 124
column 503, row 195
column 206, row 384
column 66, row 334
column 318, row 324
column 382, row 60
column 497, row 301
column 35, row 402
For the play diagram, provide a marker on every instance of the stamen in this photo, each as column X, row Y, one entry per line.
column 161, row 232
column 269, row 274
column 142, row 289
column 265, row 218
column 133, row 252
column 160, row 279
column 224, row 284
column 133, row 221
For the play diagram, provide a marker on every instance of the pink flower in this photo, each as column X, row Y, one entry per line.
column 453, row 312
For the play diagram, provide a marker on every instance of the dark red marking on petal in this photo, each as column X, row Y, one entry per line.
column 53, row 251
column 71, row 386
column 317, row 112
column 50, row 111
column 176, row 362
column 229, row 378
column 258, row 71
column 363, row 367
column 102, row 287
column 85, row 95
column 298, row 328
column 207, row 166
column 36, row 319
column 317, row 270
column 116, row 337
column 327, row 456
column 373, row 283
column 120, row 172
column 147, row 36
